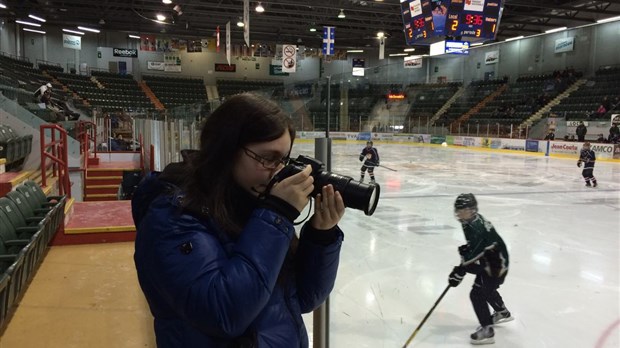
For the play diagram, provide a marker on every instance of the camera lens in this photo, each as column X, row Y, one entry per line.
column 355, row 194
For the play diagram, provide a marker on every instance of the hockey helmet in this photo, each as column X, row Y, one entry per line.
column 369, row 142
column 586, row 144
column 49, row 85
column 465, row 200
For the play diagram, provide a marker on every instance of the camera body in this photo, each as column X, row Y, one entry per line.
column 355, row 194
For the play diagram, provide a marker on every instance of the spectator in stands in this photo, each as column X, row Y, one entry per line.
column 216, row 251
column 600, row 111
column 581, row 131
column 606, row 103
column 614, row 133
column 601, row 138
column 44, row 94
column 615, row 103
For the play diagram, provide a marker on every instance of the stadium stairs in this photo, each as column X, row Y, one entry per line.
column 555, row 101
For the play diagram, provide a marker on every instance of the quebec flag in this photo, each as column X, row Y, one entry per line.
column 328, row 40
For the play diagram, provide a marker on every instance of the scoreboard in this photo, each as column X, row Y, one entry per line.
column 473, row 18
column 417, row 19
column 428, row 21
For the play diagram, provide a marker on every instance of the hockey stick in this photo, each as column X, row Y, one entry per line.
column 426, row 317
column 380, row 165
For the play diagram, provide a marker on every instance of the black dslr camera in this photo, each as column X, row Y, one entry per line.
column 355, row 194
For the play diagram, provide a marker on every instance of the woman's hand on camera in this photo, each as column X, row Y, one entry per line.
column 328, row 209
column 295, row 189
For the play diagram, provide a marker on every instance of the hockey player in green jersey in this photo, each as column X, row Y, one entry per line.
column 486, row 256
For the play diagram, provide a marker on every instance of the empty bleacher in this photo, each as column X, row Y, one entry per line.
column 582, row 104
column 522, row 98
column 13, row 147
column 427, row 99
column 474, row 94
column 231, row 87
column 29, row 219
column 176, row 91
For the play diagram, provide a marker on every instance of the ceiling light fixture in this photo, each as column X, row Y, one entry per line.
column 133, row 36
column 2, row 6
column 89, row 29
column 514, row 38
column 398, row 54
column 34, row 31
column 73, row 31
column 611, row 19
column 259, row 8
column 409, row 50
column 36, row 18
column 380, row 35
column 555, row 30
column 240, row 23
column 28, row 23
column 167, row 2
column 355, row 51
column 312, row 29
column 341, row 14
column 160, row 17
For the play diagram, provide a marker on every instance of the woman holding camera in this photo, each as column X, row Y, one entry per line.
column 217, row 256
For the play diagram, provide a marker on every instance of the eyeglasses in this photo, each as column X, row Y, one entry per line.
column 267, row 163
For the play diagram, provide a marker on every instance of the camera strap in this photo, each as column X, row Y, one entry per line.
column 276, row 178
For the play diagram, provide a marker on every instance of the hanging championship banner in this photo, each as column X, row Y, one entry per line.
column 246, row 22
column 382, row 48
column 289, row 58
column 228, row 42
column 328, row 40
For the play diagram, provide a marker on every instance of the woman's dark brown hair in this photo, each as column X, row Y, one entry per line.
column 241, row 120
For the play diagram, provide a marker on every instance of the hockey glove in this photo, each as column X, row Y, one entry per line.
column 456, row 276
column 361, row 157
column 464, row 249
column 579, row 164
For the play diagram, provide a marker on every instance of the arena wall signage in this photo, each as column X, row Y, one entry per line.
column 125, row 52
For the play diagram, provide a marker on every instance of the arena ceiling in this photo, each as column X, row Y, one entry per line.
column 289, row 21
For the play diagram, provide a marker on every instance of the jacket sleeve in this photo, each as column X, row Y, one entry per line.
column 317, row 266
column 219, row 292
column 478, row 246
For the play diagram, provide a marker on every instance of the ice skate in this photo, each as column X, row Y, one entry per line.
column 372, row 181
column 588, row 184
column 502, row 317
column 594, row 184
column 362, row 179
column 484, row 335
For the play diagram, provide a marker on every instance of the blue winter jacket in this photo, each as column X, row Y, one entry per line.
column 205, row 290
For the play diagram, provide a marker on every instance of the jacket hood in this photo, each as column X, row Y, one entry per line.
column 150, row 187
column 169, row 181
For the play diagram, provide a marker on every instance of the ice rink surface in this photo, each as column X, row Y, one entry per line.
column 563, row 287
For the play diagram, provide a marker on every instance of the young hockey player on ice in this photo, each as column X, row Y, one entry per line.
column 588, row 158
column 370, row 156
column 484, row 255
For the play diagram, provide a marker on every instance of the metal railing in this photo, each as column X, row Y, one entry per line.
column 56, row 151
